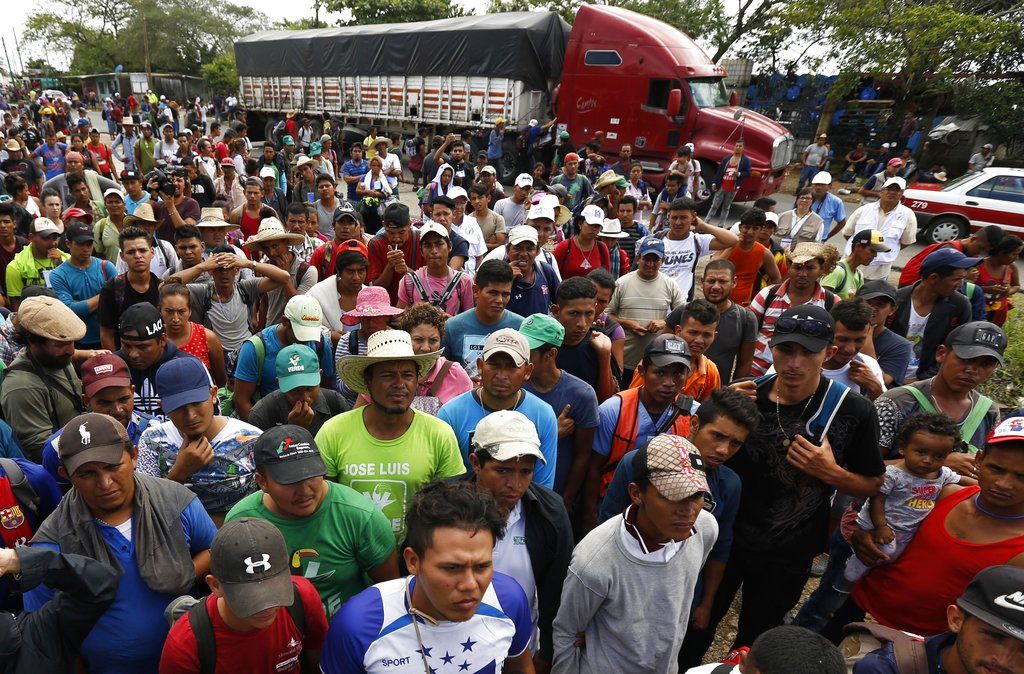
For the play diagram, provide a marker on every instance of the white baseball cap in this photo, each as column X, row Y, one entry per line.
column 822, row 178
column 304, row 315
column 523, row 233
column 897, row 181
column 507, row 435
column 456, row 192
column 431, row 227
column 509, row 341
column 46, row 227
column 113, row 190
column 524, row 180
column 489, row 169
column 542, row 210
column 593, row 215
column 268, row 172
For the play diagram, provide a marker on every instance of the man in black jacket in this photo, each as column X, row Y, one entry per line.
column 49, row 638
column 928, row 310
column 538, row 542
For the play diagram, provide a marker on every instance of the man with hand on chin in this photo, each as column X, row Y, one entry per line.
column 452, row 610
column 300, row 400
column 816, row 436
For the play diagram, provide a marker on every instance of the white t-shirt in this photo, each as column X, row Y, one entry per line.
column 915, row 333
column 470, row 231
column 513, row 559
column 707, row 669
column 842, row 375
column 392, row 161
column 681, row 259
column 326, row 293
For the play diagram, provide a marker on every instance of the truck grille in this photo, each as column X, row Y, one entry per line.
column 782, row 151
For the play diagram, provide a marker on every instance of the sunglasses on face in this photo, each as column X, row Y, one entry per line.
column 803, row 326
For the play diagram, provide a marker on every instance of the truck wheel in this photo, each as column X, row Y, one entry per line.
column 509, row 159
column 945, row 228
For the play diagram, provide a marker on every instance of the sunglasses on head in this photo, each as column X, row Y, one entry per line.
column 804, row 326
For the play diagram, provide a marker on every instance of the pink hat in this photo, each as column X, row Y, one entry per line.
column 74, row 155
column 895, row 161
column 373, row 301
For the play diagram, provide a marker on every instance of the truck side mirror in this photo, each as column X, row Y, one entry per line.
column 734, row 98
column 675, row 102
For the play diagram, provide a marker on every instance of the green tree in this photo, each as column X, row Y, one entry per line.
column 98, row 35
column 365, row 12
column 220, row 73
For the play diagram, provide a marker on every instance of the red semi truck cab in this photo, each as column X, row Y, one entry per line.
column 642, row 82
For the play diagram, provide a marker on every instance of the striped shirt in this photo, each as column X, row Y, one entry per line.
column 781, row 302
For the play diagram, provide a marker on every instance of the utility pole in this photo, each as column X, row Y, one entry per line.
column 10, row 70
column 17, row 49
column 145, row 44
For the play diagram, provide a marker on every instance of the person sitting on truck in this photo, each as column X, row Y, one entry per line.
column 353, row 170
column 577, row 184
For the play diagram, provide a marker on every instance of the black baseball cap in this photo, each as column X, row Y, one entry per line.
column 666, row 350
column 289, row 454
column 346, row 209
column 978, row 338
column 130, row 175
column 79, row 232
column 872, row 289
column 250, row 560
column 397, row 213
column 143, row 319
column 996, row 596
column 808, row 325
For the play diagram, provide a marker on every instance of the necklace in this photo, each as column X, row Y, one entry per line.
column 983, row 511
column 586, row 264
column 788, row 439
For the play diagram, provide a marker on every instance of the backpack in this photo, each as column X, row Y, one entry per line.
column 206, row 642
column 446, row 295
column 862, row 638
column 410, row 147
column 971, row 424
column 22, row 488
column 773, row 292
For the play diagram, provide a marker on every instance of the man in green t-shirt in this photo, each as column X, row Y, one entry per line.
column 846, row 279
column 335, row 537
column 32, row 265
column 386, row 450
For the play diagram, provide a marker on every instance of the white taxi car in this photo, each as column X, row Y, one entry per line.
column 948, row 211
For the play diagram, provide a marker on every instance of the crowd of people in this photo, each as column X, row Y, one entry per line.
column 261, row 416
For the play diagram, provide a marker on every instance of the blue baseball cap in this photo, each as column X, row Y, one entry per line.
column 650, row 244
column 947, row 257
column 182, row 381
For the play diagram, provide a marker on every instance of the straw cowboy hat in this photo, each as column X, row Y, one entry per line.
column 607, row 179
column 211, row 217
column 381, row 347
column 271, row 229
column 382, row 139
column 291, row 113
column 143, row 213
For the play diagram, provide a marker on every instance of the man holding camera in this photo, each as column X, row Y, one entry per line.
column 173, row 209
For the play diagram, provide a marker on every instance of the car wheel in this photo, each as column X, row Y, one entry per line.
column 944, row 229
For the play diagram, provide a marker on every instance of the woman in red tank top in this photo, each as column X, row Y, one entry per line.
column 998, row 277
column 967, row 531
column 192, row 338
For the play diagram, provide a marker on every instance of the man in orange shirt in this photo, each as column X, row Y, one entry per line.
column 698, row 327
column 750, row 258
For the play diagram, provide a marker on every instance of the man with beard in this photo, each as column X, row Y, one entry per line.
column 386, row 450
column 41, row 391
column 479, row 624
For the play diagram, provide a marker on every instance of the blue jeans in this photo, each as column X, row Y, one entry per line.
column 806, row 175
column 824, row 601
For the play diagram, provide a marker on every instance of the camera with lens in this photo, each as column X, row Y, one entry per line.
column 164, row 184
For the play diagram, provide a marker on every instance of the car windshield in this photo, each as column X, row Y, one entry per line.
column 957, row 182
column 708, row 92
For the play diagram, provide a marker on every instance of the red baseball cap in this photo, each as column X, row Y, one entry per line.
column 104, row 371
column 77, row 213
column 355, row 246
column 1010, row 429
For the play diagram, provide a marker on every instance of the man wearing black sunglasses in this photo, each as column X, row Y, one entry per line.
column 816, row 436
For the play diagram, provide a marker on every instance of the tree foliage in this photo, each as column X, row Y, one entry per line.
column 97, row 35
column 220, row 73
column 365, row 12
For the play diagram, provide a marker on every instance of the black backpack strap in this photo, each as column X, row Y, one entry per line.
column 206, row 643
column 414, row 277
column 353, row 343
column 723, row 668
column 21, row 487
column 449, row 290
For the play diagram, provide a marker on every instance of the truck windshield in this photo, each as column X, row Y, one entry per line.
column 708, row 92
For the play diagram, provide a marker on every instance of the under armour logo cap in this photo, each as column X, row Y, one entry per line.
column 250, row 560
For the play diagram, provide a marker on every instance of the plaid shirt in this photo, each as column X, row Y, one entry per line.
column 9, row 349
column 781, row 302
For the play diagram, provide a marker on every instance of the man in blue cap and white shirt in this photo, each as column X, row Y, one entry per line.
column 210, row 454
column 928, row 310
